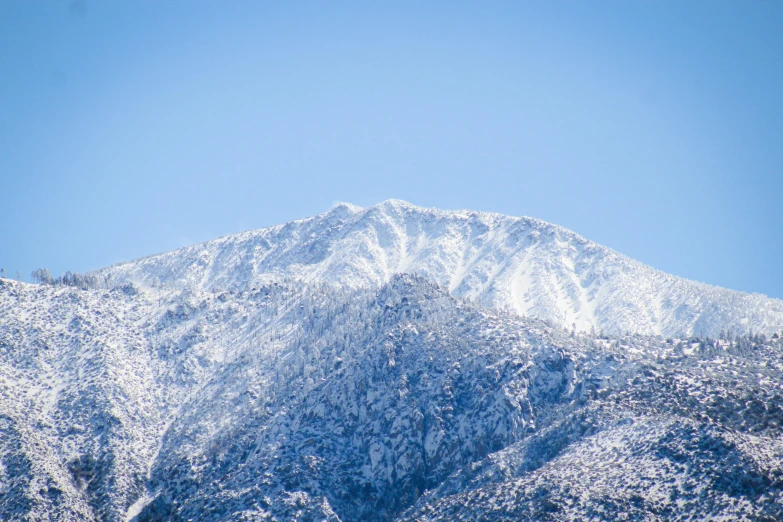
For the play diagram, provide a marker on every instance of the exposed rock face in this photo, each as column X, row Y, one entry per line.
column 313, row 403
column 269, row 385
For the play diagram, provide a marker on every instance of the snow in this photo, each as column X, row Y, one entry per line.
column 291, row 373
column 524, row 264
column 137, row 507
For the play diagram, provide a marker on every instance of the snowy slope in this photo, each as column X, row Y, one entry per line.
column 293, row 401
column 389, row 364
column 526, row 265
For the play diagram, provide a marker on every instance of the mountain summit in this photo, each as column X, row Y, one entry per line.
column 386, row 364
column 522, row 264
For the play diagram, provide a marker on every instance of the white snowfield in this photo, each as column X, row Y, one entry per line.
column 299, row 373
column 521, row 264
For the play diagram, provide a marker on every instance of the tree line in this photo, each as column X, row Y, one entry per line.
column 3, row 276
column 84, row 281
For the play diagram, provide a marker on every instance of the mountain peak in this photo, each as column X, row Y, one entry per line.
column 524, row 265
column 397, row 204
column 343, row 206
column 346, row 361
column 385, row 205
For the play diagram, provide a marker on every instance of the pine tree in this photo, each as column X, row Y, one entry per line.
column 42, row 276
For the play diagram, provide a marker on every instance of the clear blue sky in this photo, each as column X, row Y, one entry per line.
column 655, row 128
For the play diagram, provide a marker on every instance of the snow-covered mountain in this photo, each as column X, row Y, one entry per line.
column 523, row 264
column 299, row 373
column 311, row 402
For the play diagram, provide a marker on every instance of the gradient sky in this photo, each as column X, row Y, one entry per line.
column 129, row 128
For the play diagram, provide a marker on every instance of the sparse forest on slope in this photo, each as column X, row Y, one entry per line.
column 290, row 374
column 301, row 402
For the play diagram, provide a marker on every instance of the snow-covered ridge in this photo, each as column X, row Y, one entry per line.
column 519, row 263
column 293, row 401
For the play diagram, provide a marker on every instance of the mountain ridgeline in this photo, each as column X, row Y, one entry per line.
column 390, row 364
column 525, row 265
